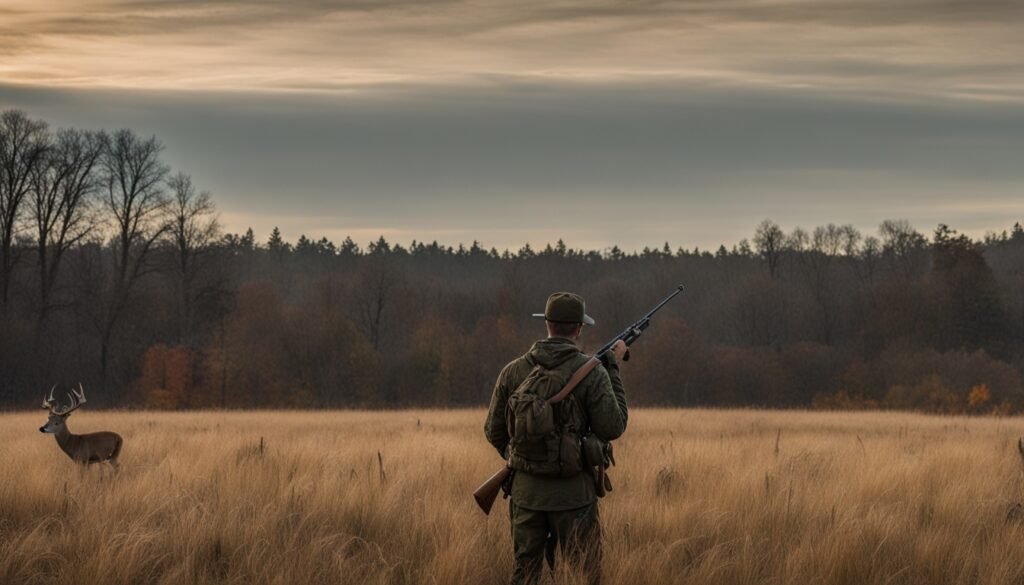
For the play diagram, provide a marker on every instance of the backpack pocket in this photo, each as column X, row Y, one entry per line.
column 540, row 419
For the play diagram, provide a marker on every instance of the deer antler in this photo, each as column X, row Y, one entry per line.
column 77, row 400
column 48, row 403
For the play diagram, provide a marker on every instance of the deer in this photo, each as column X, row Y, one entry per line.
column 102, row 447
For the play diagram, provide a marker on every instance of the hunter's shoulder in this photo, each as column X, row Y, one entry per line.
column 599, row 375
column 517, row 368
column 597, row 382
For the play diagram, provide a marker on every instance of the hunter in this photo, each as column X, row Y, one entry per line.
column 553, row 498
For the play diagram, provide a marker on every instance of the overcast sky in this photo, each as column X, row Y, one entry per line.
column 630, row 123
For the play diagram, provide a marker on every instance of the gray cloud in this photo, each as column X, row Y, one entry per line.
column 952, row 48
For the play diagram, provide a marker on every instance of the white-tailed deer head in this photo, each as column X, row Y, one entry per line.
column 57, row 414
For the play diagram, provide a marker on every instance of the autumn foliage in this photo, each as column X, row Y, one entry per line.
column 167, row 311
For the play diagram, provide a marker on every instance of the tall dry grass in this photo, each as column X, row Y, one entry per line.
column 700, row 497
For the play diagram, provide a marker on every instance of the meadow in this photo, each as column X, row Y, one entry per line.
column 710, row 497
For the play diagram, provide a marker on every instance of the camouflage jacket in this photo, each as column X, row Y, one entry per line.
column 603, row 400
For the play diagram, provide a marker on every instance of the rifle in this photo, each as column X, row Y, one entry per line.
column 488, row 491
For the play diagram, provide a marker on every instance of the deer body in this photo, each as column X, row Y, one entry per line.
column 89, row 448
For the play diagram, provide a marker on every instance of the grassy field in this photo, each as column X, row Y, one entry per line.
column 700, row 497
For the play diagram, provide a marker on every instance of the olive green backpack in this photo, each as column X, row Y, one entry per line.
column 545, row 434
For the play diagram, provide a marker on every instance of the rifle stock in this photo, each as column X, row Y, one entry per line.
column 488, row 491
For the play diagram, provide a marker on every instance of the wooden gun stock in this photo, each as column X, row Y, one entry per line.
column 488, row 491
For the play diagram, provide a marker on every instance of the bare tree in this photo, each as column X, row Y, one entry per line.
column 862, row 253
column 133, row 194
column 828, row 240
column 62, row 205
column 850, row 239
column 194, row 230
column 870, row 253
column 375, row 291
column 822, row 249
column 23, row 144
column 903, row 246
column 797, row 241
column 769, row 239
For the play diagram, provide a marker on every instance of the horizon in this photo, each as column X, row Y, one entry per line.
column 540, row 246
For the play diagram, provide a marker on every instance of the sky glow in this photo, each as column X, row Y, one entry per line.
column 600, row 122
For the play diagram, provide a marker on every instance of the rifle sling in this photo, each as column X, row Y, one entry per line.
column 576, row 378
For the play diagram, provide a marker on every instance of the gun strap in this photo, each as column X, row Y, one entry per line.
column 574, row 381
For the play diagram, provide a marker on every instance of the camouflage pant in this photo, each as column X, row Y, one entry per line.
column 536, row 534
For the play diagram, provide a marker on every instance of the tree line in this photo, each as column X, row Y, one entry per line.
column 115, row 272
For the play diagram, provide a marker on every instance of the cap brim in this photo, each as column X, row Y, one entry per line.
column 587, row 319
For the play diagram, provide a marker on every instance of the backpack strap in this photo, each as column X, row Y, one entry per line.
column 574, row 381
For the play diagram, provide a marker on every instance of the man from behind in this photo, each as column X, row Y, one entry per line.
column 553, row 499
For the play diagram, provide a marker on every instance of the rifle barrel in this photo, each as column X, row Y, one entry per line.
column 607, row 347
column 678, row 290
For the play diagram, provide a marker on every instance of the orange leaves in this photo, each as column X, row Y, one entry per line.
column 979, row 396
column 168, row 376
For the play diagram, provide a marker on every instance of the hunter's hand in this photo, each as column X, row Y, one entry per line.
column 619, row 349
